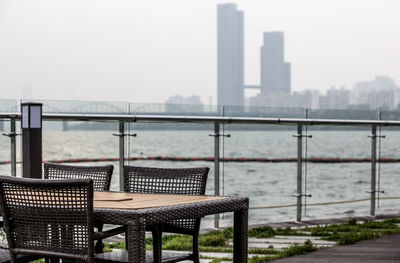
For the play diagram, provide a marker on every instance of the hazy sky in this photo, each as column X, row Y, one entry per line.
column 146, row 50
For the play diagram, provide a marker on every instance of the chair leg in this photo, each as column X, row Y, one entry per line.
column 195, row 255
column 126, row 239
column 157, row 243
column 99, row 247
column 13, row 258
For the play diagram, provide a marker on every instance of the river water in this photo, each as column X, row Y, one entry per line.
column 266, row 184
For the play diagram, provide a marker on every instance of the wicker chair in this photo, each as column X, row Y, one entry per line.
column 187, row 181
column 49, row 218
column 5, row 253
column 5, row 256
column 101, row 176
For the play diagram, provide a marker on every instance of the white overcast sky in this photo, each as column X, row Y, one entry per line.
column 147, row 50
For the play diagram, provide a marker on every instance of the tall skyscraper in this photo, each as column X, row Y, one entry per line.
column 275, row 72
column 230, row 55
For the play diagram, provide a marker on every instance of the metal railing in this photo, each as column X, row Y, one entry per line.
column 122, row 119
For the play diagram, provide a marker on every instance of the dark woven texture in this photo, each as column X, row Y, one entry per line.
column 185, row 181
column 101, row 175
column 5, row 257
column 48, row 218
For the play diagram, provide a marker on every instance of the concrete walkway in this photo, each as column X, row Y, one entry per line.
column 381, row 250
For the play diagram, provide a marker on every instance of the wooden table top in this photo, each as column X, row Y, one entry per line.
column 118, row 200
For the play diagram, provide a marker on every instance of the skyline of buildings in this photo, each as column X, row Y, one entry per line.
column 275, row 72
column 380, row 93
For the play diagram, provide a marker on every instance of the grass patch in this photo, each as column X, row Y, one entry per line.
column 267, row 231
column 296, row 249
column 352, row 232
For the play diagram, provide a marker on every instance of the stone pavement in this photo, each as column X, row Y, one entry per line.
column 381, row 250
column 277, row 242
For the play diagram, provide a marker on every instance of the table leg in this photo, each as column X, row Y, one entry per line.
column 99, row 247
column 157, row 243
column 136, row 241
column 240, row 236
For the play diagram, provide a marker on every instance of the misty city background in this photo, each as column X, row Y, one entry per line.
column 342, row 54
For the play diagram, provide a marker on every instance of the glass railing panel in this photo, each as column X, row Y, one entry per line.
column 388, row 183
column 5, row 147
column 390, row 115
column 8, row 106
column 172, row 141
column 263, row 112
column 342, row 114
column 5, row 151
column 173, row 109
column 66, row 106
column 80, row 142
column 342, row 181
column 267, row 184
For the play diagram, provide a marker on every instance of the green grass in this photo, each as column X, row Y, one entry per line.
column 296, row 249
column 352, row 232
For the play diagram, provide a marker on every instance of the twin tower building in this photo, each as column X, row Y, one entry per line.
column 275, row 72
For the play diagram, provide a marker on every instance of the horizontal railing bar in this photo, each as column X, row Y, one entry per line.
column 212, row 159
column 226, row 160
column 326, row 203
column 200, row 119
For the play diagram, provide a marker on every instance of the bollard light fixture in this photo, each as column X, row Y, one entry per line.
column 31, row 125
column 31, row 115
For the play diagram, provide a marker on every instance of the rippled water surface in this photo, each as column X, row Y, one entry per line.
column 267, row 184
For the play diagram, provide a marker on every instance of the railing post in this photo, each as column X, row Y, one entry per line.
column 13, row 144
column 373, row 170
column 121, row 154
column 216, row 168
column 299, row 169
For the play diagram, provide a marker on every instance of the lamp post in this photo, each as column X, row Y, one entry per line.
column 31, row 126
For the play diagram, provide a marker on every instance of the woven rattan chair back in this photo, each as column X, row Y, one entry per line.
column 187, row 181
column 52, row 218
column 101, row 175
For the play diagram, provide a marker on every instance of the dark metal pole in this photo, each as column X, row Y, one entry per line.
column 299, row 170
column 216, row 168
column 121, row 154
column 13, row 148
column 31, row 125
column 373, row 170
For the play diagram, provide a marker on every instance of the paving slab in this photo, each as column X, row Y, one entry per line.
column 380, row 250
column 290, row 240
column 213, row 254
